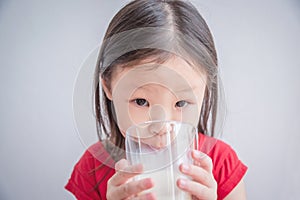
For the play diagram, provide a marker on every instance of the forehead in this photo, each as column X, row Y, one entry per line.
column 175, row 74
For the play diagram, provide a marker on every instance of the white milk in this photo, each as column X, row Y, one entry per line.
column 162, row 164
column 165, row 187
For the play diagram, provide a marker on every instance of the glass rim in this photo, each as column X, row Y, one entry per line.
column 158, row 121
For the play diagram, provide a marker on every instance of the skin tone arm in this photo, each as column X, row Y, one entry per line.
column 239, row 192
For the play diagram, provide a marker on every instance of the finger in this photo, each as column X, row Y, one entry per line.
column 202, row 160
column 125, row 173
column 197, row 189
column 121, row 164
column 147, row 196
column 132, row 188
column 198, row 174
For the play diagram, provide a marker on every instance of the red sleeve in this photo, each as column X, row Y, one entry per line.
column 228, row 170
column 89, row 177
column 82, row 181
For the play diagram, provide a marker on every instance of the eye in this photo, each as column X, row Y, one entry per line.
column 181, row 103
column 141, row 102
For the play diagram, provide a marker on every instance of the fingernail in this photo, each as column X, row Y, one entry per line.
column 150, row 196
column 147, row 183
column 137, row 168
column 185, row 168
column 182, row 183
column 198, row 154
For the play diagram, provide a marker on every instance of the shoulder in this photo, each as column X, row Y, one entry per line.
column 228, row 169
column 218, row 150
column 93, row 157
column 88, row 172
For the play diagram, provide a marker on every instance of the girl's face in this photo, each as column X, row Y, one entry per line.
column 169, row 91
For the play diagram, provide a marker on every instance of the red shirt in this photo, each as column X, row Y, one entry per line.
column 228, row 170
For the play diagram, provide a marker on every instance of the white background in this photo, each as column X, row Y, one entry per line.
column 42, row 46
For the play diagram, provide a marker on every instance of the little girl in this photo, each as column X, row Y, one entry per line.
column 157, row 62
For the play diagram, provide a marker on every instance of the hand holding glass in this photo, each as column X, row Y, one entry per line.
column 161, row 146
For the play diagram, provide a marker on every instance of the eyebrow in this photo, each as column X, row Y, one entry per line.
column 183, row 90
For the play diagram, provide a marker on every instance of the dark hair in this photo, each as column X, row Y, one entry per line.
column 161, row 16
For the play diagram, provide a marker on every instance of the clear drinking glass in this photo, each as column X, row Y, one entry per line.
column 161, row 146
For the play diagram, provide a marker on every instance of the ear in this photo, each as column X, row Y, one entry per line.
column 106, row 90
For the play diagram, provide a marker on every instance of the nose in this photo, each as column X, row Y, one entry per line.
column 157, row 112
column 161, row 113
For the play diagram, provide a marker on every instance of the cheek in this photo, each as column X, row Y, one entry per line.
column 138, row 115
column 191, row 113
column 121, row 113
column 128, row 115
